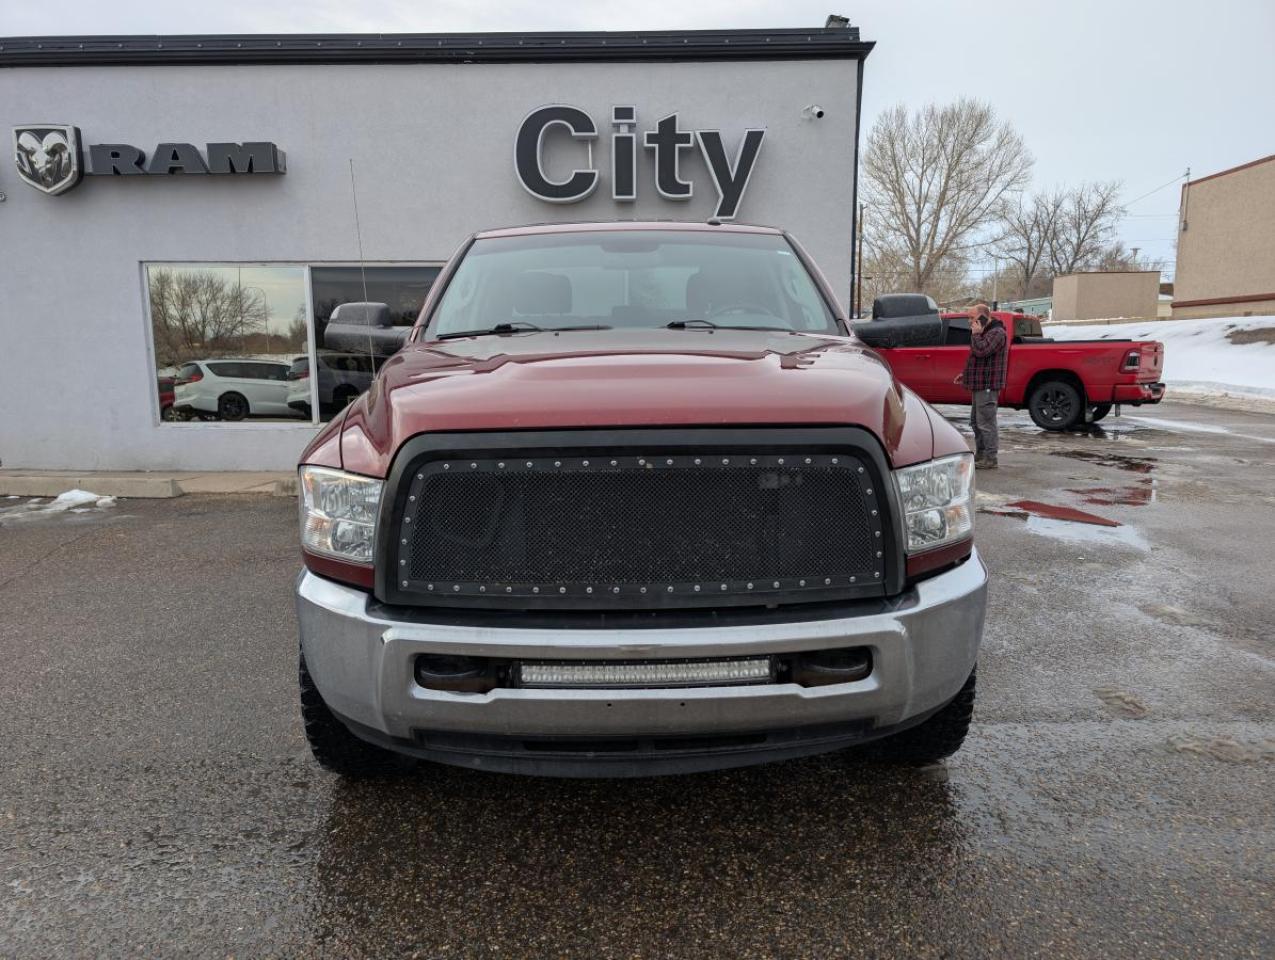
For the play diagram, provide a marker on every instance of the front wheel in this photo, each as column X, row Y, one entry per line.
column 937, row 738
column 1098, row 411
column 1055, row 405
column 334, row 747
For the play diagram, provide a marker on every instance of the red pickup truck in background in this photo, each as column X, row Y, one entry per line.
column 1061, row 383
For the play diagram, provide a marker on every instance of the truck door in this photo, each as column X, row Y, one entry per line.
column 949, row 360
column 913, row 367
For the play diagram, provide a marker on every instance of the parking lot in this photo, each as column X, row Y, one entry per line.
column 1114, row 798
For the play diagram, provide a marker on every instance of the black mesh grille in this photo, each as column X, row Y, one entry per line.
column 628, row 531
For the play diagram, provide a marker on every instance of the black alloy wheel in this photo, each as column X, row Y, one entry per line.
column 232, row 406
column 1055, row 405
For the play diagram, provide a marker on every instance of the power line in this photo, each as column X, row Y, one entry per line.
column 1180, row 176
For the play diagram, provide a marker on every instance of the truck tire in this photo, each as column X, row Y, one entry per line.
column 334, row 747
column 938, row 737
column 1098, row 411
column 1055, row 405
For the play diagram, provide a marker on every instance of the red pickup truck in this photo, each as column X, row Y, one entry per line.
column 631, row 500
column 1062, row 384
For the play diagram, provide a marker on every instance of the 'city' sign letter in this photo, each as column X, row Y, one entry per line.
column 731, row 182
column 529, row 154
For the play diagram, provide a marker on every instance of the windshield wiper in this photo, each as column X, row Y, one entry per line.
column 513, row 327
column 516, row 326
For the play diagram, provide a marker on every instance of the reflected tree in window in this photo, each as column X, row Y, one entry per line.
column 197, row 312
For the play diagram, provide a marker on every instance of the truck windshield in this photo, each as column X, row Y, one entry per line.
column 631, row 279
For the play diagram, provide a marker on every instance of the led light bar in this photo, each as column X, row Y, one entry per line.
column 683, row 673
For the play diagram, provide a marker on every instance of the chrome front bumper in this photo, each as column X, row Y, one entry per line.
column 923, row 643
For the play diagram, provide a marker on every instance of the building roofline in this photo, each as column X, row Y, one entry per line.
column 1213, row 301
column 1230, row 170
column 1091, row 273
column 303, row 48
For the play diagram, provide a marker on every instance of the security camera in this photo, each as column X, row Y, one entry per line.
column 812, row 112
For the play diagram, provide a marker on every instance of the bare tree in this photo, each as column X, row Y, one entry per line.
column 1027, row 235
column 298, row 330
column 1084, row 226
column 887, row 268
column 1116, row 257
column 194, row 312
column 935, row 178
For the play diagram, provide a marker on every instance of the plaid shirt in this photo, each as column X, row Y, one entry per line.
column 989, row 358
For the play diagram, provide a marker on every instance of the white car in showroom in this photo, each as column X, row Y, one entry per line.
column 232, row 389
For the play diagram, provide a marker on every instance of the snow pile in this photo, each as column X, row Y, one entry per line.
column 1200, row 356
column 71, row 499
column 74, row 501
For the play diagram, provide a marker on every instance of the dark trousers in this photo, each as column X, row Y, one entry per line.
column 983, row 420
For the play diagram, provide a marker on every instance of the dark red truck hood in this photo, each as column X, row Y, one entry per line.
column 628, row 378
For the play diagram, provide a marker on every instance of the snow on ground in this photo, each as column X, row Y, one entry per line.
column 1200, row 356
column 75, row 501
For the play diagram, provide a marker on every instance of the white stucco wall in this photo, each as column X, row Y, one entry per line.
column 433, row 149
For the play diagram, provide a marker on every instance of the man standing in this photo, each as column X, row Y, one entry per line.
column 984, row 378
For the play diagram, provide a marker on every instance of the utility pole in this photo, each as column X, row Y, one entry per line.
column 1186, row 196
column 858, row 268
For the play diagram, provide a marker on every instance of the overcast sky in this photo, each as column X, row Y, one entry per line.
column 1100, row 89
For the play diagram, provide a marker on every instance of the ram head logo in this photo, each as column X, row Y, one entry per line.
column 48, row 156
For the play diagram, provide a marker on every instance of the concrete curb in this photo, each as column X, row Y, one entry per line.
column 36, row 485
column 149, row 486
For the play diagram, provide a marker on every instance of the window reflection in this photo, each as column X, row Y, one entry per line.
column 232, row 342
column 225, row 338
column 342, row 376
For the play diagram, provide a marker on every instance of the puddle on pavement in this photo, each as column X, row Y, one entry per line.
column 1137, row 495
column 1067, row 526
column 1001, row 512
column 1175, row 616
column 1223, row 748
column 1084, row 533
column 1117, row 460
column 1177, row 426
column 1122, row 702
column 1053, row 511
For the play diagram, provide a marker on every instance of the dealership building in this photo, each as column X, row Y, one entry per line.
column 181, row 215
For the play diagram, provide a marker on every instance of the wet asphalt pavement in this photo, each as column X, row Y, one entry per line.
column 1116, row 797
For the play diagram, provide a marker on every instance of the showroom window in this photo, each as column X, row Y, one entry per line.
column 245, row 342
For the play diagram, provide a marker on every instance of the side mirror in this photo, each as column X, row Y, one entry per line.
column 360, row 327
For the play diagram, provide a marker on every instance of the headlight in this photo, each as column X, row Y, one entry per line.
column 338, row 513
column 937, row 501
